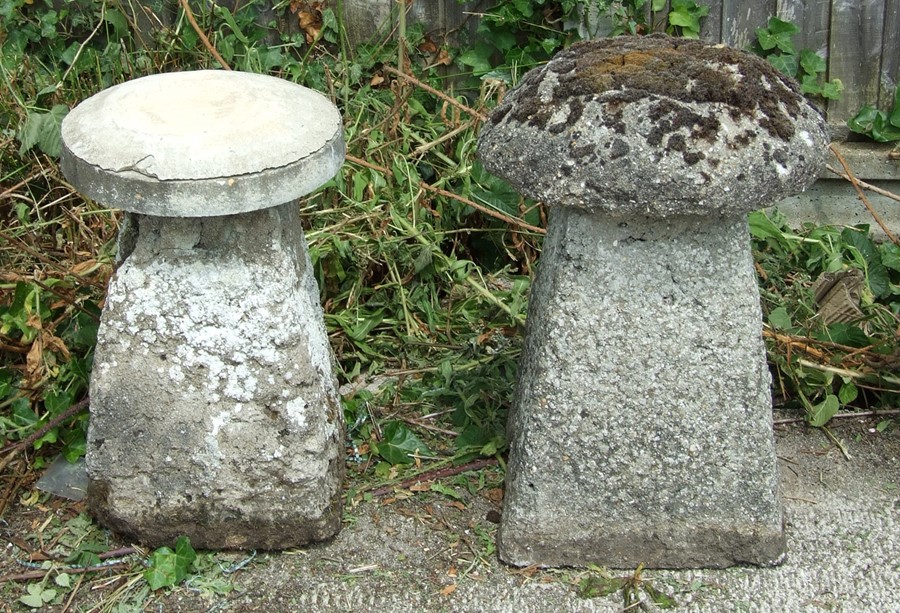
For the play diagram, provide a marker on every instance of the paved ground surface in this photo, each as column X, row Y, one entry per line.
column 428, row 552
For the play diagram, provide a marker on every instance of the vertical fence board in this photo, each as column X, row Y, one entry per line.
column 857, row 28
column 741, row 18
column 813, row 18
column 711, row 28
column 890, row 55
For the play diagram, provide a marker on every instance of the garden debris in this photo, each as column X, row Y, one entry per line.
column 838, row 294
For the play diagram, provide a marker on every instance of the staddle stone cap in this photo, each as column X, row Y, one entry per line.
column 655, row 126
column 203, row 143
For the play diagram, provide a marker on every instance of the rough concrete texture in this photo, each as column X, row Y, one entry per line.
column 641, row 430
column 193, row 144
column 657, row 126
column 214, row 412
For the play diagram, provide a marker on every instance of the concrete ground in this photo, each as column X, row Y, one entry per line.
column 423, row 551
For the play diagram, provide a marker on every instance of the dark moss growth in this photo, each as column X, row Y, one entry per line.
column 620, row 70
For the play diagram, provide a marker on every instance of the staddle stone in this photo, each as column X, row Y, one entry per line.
column 214, row 409
column 641, row 430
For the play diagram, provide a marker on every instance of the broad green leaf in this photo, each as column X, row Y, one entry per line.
column 780, row 319
column 824, row 411
column 167, row 567
column 778, row 26
column 895, row 112
column 833, row 89
column 876, row 273
column 786, row 63
column 657, row 5
column 848, row 393
column 399, row 445
column 118, row 21
column 812, row 62
column 37, row 596
column 863, row 120
column 890, row 256
column 845, row 334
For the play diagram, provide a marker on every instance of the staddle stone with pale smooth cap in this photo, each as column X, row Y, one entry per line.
column 641, row 431
column 214, row 410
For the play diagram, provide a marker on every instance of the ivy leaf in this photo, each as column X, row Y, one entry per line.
column 833, row 89
column 398, row 444
column 812, row 62
column 786, row 63
column 37, row 596
column 777, row 35
column 167, row 567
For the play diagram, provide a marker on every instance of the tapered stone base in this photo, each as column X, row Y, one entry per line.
column 214, row 411
column 641, row 431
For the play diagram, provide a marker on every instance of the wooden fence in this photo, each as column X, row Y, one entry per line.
column 860, row 39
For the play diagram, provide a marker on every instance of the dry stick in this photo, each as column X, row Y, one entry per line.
column 437, row 190
column 437, row 474
column 5, row 193
column 13, row 450
column 862, row 195
column 864, row 185
column 78, row 570
column 190, row 15
column 796, row 420
column 435, row 92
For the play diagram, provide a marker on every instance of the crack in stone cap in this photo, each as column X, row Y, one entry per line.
column 655, row 126
column 202, row 143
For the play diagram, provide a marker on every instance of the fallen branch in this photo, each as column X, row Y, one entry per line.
column 862, row 196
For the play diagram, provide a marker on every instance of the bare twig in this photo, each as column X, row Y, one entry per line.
column 190, row 16
column 439, row 473
column 437, row 190
column 13, row 450
column 864, row 185
column 862, row 196
column 861, row 415
column 435, row 92
column 77, row 570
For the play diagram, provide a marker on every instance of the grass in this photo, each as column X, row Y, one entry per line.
column 424, row 262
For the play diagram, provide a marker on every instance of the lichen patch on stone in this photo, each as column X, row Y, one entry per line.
column 618, row 71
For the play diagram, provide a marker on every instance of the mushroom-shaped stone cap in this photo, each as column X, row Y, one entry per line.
column 655, row 126
column 196, row 144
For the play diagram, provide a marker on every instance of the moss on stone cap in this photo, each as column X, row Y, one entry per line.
column 604, row 119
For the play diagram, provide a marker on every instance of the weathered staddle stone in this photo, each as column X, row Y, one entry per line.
column 641, row 428
column 214, row 410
